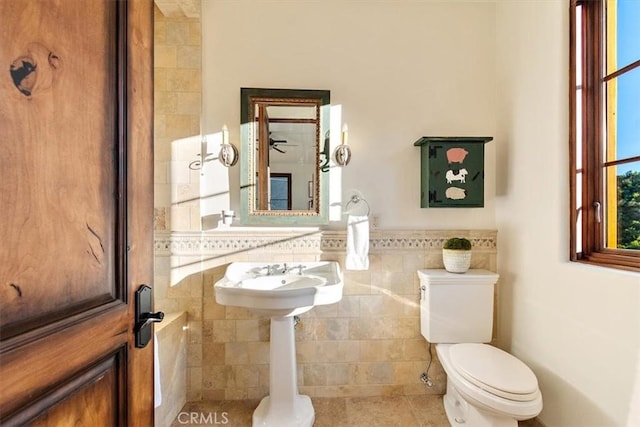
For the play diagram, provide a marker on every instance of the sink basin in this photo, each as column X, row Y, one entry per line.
column 282, row 282
column 247, row 284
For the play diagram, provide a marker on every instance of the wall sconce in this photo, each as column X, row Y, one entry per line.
column 228, row 152
column 343, row 152
column 204, row 156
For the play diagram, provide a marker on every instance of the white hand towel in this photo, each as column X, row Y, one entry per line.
column 357, row 242
column 157, row 389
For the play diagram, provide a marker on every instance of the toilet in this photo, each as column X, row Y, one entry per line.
column 486, row 386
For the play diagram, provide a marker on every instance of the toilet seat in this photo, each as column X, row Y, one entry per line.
column 494, row 371
column 482, row 398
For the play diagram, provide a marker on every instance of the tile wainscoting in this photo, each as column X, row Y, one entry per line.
column 368, row 344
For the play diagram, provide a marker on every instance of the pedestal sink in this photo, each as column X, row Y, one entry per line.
column 281, row 292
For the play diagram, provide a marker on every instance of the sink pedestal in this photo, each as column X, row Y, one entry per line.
column 284, row 407
column 281, row 297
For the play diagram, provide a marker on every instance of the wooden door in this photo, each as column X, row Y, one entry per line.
column 76, row 211
column 264, row 149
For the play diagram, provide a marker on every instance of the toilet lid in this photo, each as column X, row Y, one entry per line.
column 494, row 370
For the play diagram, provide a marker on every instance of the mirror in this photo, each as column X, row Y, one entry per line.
column 284, row 156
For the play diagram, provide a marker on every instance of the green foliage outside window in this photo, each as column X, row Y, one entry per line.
column 629, row 210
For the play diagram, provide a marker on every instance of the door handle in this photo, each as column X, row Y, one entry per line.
column 144, row 317
column 150, row 318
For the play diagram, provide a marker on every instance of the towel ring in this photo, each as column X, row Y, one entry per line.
column 355, row 199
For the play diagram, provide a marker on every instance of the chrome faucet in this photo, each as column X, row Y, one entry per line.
column 286, row 269
column 271, row 269
column 276, row 269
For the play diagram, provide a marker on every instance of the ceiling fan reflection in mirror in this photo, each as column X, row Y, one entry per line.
column 274, row 144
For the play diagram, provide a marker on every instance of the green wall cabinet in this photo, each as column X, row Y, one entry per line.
column 452, row 171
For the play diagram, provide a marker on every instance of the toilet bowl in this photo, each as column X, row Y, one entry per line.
column 486, row 386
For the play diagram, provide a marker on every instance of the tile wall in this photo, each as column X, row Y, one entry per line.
column 368, row 344
column 177, row 108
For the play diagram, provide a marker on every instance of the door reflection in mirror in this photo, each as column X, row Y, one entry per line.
column 280, row 194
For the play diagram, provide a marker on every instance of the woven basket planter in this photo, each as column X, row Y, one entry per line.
column 456, row 261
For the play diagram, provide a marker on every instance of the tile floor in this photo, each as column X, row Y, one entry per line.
column 406, row 411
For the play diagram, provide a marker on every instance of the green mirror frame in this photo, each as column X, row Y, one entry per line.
column 318, row 214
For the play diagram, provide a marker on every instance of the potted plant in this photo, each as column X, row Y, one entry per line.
column 456, row 254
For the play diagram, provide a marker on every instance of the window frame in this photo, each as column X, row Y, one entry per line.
column 592, row 233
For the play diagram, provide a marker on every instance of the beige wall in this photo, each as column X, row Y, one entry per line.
column 396, row 71
column 394, row 79
column 577, row 326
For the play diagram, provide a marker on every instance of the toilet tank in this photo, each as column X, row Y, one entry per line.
column 456, row 308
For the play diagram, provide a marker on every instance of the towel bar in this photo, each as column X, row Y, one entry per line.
column 355, row 199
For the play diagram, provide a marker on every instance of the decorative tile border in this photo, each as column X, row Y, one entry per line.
column 413, row 240
column 312, row 241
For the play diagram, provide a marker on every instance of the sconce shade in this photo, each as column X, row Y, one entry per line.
column 343, row 155
column 228, row 155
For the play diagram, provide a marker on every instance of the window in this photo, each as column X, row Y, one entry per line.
column 605, row 132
